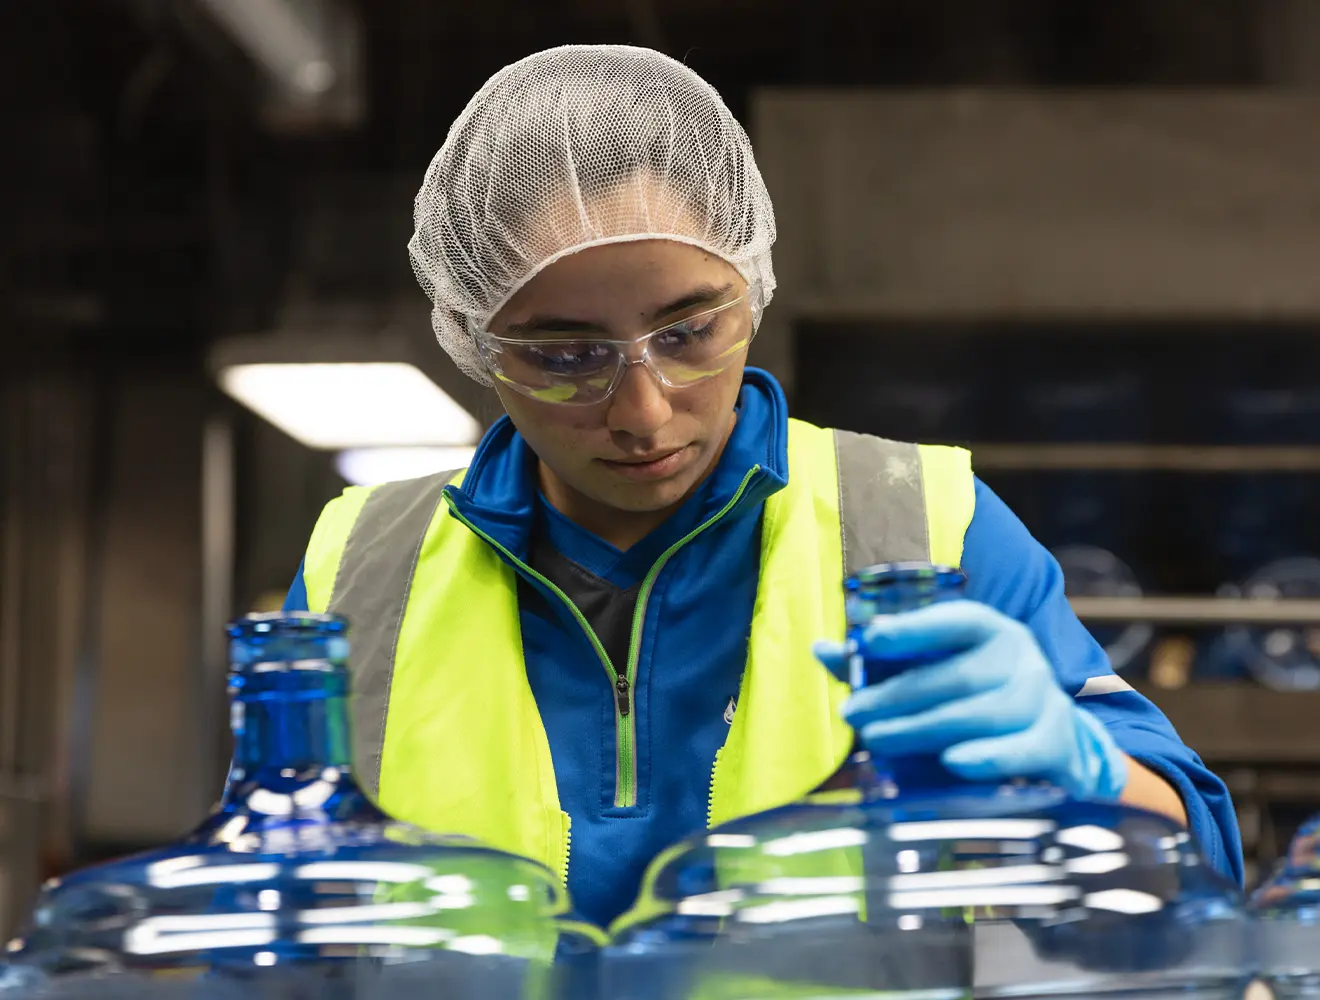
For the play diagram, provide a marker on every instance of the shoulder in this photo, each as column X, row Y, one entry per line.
column 373, row 516
column 387, row 500
column 897, row 500
column 1008, row 569
column 868, row 454
column 1006, row 566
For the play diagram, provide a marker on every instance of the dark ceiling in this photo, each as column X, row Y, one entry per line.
column 146, row 209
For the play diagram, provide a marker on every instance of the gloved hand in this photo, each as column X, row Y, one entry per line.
column 990, row 706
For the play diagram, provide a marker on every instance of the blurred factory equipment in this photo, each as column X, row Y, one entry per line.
column 347, row 362
column 1090, row 571
column 1285, row 659
column 309, row 54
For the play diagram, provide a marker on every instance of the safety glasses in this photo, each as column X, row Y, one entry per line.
column 579, row 371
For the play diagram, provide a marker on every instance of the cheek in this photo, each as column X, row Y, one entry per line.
column 712, row 401
column 552, row 430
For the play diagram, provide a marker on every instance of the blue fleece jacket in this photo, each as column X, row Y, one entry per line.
column 694, row 643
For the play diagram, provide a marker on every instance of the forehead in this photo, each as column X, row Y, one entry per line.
column 618, row 283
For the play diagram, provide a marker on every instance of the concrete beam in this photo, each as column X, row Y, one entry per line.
column 1036, row 205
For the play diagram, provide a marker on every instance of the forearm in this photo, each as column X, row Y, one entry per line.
column 1147, row 790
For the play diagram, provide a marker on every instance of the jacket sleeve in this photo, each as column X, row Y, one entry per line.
column 1009, row 570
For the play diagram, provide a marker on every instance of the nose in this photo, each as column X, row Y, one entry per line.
column 639, row 406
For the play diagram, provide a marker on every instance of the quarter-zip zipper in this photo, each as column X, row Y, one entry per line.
column 625, row 723
column 625, row 793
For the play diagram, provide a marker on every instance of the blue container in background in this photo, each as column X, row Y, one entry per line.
column 1285, row 658
column 1246, row 520
column 1286, row 907
column 1098, row 508
column 1090, row 571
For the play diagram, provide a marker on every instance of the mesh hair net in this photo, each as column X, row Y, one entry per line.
column 575, row 147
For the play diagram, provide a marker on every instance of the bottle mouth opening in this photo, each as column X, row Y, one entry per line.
column 278, row 624
column 884, row 574
column 284, row 642
column 321, row 665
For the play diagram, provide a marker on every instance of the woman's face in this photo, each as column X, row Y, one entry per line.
column 647, row 446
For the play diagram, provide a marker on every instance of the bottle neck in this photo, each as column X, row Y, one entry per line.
column 291, row 720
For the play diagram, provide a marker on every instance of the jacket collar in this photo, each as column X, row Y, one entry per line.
column 499, row 493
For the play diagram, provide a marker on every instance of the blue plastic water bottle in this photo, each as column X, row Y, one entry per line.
column 297, row 884
column 890, row 589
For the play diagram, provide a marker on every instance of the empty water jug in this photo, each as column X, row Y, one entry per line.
column 1286, row 658
column 297, row 885
column 1090, row 571
column 1287, row 910
column 930, row 891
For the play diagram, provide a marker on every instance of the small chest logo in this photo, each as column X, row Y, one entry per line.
column 728, row 712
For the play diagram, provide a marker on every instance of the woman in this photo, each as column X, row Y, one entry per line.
column 603, row 635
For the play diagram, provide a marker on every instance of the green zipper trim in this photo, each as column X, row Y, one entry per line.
column 625, row 725
column 568, row 847
column 710, row 794
column 626, row 791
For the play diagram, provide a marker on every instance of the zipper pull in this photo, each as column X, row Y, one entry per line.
column 621, row 695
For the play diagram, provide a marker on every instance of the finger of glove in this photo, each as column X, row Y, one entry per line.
column 948, row 627
column 1033, row 752
column 835, row 656
column 921, row 688
column 935, row 730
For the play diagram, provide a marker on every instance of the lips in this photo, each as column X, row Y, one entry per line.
column 656, row 466
column 659, row 456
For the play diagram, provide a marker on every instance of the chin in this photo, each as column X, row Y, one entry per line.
column 647, row 499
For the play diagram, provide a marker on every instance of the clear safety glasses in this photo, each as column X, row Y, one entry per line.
column 580, row 371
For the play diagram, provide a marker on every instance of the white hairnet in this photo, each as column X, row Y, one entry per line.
column 574, row 147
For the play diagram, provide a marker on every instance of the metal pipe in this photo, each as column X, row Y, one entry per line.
column 11, row 576
column 281, row 41
column 1193, row 611
column 217, row 600
column 1148, row 458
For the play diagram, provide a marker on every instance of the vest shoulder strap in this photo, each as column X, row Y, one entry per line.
column 360, row 562
column 900, row 501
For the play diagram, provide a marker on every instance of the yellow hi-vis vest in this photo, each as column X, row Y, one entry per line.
column 447, row 734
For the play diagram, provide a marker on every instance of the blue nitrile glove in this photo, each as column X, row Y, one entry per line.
column 991, row 707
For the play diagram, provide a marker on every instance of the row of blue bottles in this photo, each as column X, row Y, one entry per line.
column 1287, row 910
column 899, row 879
column 1091, row 571
column 297, row 886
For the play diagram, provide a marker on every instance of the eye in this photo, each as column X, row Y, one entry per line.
column 566, row 357
column 681, row 334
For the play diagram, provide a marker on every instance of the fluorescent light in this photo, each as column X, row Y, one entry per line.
column 372, row 466
column 351, row 405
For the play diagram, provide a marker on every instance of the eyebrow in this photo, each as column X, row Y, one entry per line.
column 701, row 295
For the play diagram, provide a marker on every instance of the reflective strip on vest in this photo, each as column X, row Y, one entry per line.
column 447, row 733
